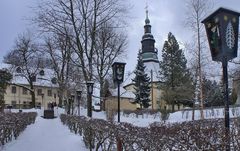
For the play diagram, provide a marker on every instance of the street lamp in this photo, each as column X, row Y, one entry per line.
column 42, row 100
column 89, row 103
column 222, row 32
column 118, row 75
column 79, row 93
column 72, row 101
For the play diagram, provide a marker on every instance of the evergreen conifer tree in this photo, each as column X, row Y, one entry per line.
column 177, row 82
column 5, row 78
column 212, row 93
column 141, row 84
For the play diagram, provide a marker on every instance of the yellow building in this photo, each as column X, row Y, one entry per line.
column 157, row 103
column 20, row 97
column 126, row 101
column 18, row 93
column 236, row 87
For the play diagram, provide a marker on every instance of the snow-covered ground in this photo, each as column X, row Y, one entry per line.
column 46, row 135
column 52, row 135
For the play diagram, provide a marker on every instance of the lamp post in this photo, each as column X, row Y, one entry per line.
column 89, row 103
column 79, row 93
column 118, row 75
column 42, row 101
column 55, row 97
column 71, row 102
column 222, row 32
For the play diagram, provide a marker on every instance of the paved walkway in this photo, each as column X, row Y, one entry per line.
column 46, row 135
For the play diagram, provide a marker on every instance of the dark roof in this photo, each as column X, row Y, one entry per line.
column 218, row 11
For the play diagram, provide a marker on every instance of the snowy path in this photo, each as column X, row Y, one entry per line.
column 46, row 135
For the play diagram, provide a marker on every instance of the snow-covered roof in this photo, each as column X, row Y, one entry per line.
column 4, row 66
column 123, row 93
column 41, row 80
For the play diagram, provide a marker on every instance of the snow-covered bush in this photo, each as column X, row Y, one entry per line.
column 12, row 124
column 194, row 135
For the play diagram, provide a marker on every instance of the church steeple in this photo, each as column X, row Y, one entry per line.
column 147, row 21
column 149, row 52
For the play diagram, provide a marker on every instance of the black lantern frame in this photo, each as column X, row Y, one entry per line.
column 90, row 87
column 222, row 32
column 89, row 91
column 79, row 93
column 118, row 72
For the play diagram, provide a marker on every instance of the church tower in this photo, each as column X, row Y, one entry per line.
column 149, row 53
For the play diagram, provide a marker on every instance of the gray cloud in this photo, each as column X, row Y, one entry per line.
column 165, row 16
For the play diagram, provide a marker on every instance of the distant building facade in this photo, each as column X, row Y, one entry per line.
column 126, row 101
column 18, row 94
column 236, row 87
column 19, row 97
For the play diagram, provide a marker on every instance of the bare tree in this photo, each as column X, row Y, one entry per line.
column 110, row 44
column 27, row 58
column 83, row 18
column 197, row 10
column 57, row 48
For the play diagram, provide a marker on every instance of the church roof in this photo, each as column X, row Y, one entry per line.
column 41, row 80
column 123, row 93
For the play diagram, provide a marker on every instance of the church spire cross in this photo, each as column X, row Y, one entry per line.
column 146, row 9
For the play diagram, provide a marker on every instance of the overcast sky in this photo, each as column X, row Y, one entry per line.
column 165, row 16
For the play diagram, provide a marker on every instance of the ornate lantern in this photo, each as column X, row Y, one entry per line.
column 222, row 32
column 90, row 87
column 118, row 75
column 118, row 72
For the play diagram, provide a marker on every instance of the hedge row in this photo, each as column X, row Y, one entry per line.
column 196, row 135
column 12, row 124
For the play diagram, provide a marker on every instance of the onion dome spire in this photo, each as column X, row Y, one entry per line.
column 149, row 52
column 147, row 21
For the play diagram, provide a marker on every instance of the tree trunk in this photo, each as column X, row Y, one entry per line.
column 200, row 70
column 2, row 103
column 60, row 96
column 193, row 112
column 102, row 95
column 32, row 95
column 173, row 107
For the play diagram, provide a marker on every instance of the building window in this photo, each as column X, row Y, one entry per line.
column 39, row 92
column 49, row 92
column 24, row 91
column 14, row 89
